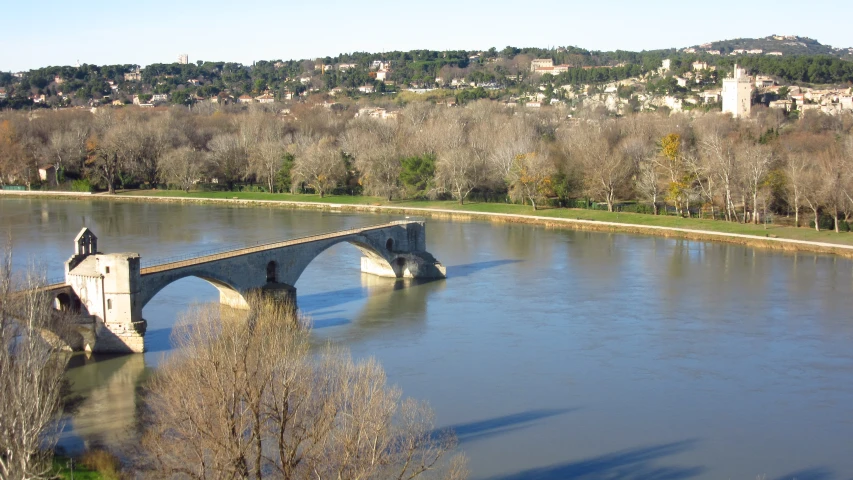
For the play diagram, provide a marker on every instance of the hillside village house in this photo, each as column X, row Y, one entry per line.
column 762, row 81
column 245, row 98
column 3, row 94
column 265, row 98
column 541, row 63
column 786, row 105
column 366, row 89
column 699, row 66
column 160, row 97
column 711, row 96
column 546, row 65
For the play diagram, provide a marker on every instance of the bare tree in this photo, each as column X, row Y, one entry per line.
column 831, row 165
column 229, row 157
column 31, row 376
column 648, row 182
column 374, row 145
column 460, row 166
column 183, row 167
column 718, row 150
column 812, row 182
column 60, row 147
column 530, row 176
column 755, row 162
column 319, row 164
column 244, row 397
column 105, row 162
column 795, row 166
column 606, row 169
column 266, row 159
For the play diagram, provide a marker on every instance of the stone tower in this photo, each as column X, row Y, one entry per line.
column 737, row 94
column 108, row 286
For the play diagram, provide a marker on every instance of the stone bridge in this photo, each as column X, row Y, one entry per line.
column 111, row 289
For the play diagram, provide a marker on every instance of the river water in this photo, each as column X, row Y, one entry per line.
column 552, row 353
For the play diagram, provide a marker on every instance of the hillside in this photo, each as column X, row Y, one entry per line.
column 509, row 75
column 784, row 44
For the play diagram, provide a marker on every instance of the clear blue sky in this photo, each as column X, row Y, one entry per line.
column 109, row 32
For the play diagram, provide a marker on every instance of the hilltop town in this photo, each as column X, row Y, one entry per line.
column 790, row 73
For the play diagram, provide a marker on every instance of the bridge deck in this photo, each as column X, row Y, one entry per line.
column 188, row 260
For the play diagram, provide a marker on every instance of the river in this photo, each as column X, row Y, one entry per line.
column 552, row 353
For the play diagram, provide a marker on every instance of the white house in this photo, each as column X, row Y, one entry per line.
column 366, row 89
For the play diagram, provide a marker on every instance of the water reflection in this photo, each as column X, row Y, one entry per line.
column 107, row 412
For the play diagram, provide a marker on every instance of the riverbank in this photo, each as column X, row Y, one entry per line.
column 769, row 237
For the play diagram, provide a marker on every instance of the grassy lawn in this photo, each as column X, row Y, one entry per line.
column 597, row 215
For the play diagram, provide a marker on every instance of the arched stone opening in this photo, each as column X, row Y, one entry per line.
column 228, row 294
column 389, row 245
column 271, row 272
column 64, row 303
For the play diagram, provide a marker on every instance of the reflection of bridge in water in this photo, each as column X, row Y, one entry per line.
column 112, row 289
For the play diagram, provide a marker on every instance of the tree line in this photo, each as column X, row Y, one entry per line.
column 706, row 165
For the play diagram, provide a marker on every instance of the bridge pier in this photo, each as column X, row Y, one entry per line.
column 404, row 265
column 279, row 292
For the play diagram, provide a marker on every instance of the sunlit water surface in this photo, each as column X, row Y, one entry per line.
column 553, row 354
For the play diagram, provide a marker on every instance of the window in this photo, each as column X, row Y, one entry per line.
column 108, row 269
column 109, row 304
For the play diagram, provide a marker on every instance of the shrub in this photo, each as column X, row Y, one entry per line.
column 82, row 185
column 102, row 462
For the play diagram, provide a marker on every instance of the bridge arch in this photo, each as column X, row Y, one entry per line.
column 377, row 254
column 228, row 293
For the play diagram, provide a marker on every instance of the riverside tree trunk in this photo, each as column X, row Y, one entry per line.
column 816, row 219
column 754, row 208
